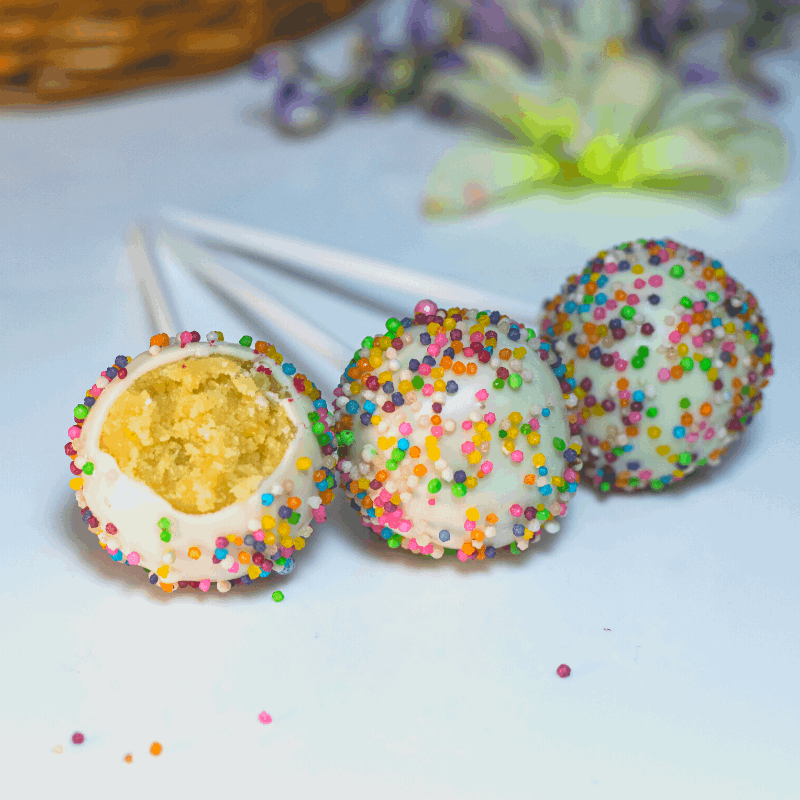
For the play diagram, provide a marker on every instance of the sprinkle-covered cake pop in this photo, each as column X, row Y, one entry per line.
column 666, row 356
column 202, row 461
column 456, row 435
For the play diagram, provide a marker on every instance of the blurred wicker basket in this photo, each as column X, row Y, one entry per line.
column 58, row 50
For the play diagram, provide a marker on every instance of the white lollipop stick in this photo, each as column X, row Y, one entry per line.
column 149, row 282
column 333, row 350
column 314, row 260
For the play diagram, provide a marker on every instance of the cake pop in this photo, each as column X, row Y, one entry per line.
column 202, row 461
column 666, row 358
column 454, row 435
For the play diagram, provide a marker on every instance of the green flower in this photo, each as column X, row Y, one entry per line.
column 599, row 117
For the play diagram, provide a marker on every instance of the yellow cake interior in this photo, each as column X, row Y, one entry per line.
column 199, row 432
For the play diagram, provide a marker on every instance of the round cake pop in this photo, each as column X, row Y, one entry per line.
column 455, row 435
column 666, row 359
column 202, row 461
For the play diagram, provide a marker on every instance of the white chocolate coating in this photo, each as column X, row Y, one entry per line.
column 650, row 418
column 134, row 509
column 428, row 521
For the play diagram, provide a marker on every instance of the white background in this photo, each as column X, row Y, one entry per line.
column 387, row 675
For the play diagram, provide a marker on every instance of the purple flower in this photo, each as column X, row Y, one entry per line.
column 444, row 58
column 360, row 96
column 488, row 23
column 697, row 74
column 444, row 107
column 661, row 21
column 378, row 63
column 300, row 106
column 276, row 62
column 426, row 25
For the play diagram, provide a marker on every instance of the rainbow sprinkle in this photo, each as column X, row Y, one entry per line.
column 667, row 358
column 255, row 553
column 501, row 469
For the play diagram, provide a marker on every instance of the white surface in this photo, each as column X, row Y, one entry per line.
column 386, row 676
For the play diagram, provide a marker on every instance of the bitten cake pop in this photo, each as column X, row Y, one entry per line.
column 202, row 461
column 666, row 359
column 456, row 435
